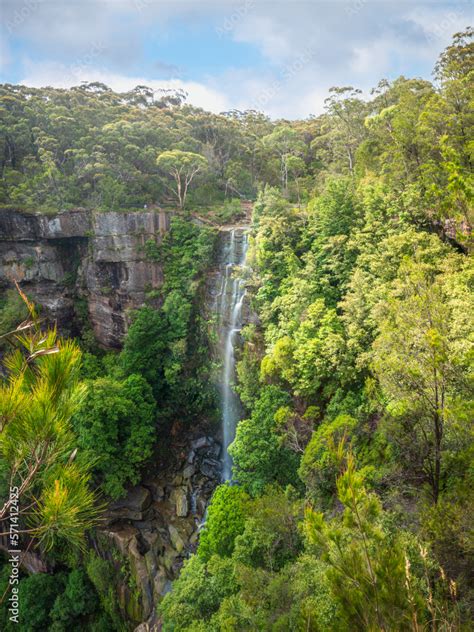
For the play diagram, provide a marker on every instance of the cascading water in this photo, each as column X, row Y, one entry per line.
column 229, row 308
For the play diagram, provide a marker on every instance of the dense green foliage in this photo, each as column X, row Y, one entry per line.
column 12, row 312
column 40, row 476
column 168, row 346
column 66, row 601
column 116, row 429
column 162, row 371
column 89, row 146
column 225, row 521
column 353, row 466
column 357, row 379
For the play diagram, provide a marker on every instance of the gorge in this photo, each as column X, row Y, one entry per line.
column 236, row 359
column 64, row 259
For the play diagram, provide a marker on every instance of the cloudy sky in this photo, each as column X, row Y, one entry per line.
column 273, row 55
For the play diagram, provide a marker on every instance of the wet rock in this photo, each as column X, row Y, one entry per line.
column 191, row 456
column 210, row 468
column 201, row 506
column 149, row 626
column 132, row 507
column 215, row 450
column 188, row 471
column 176, row 539
column 186, row 527
column 157, row 490
column 161, row 583
column 178, row 479
column 122, row 537
column 169, row 558
column 201, row 442
column 180, row 498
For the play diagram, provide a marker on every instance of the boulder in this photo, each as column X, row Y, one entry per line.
column 181, row 502
column 176, row 539
column 161, row 583
column 153, row 541
column 132, row 506
column 214, row 450
column 201, row 442
column 157, row 490
column 169, row 557
column 122, row 537
column 151, row 563
column 140, row 573
column 210, row 468
column 188, row 471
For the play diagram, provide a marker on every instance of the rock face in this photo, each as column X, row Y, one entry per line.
column 95, row 256
column 156, row 526
column 116, row 272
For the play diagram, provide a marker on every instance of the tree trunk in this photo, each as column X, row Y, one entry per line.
column 437, row 456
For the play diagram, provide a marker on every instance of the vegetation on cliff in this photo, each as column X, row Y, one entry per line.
column 354, row 461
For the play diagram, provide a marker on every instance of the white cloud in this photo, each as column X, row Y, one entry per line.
column 267, row 33
column 352, row 42
column 372, row 59
column 438, row 23
column 61, row 76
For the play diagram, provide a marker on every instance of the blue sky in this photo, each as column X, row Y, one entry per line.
column 274, row 55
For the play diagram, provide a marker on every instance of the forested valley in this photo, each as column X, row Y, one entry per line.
column 350, row 506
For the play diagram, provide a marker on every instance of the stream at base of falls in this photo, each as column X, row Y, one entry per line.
column 228, row 308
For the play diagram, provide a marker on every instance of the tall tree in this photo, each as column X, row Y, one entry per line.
column 287, row 145
column 422, row 359
column 182, row 167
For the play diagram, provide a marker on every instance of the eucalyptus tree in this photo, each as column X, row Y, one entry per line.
column 286, row 144
column 181, row 167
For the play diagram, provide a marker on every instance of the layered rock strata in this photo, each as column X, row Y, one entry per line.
column 96, row 257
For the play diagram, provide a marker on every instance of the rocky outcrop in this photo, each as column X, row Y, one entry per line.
column 95, row 256
column 156, row 526
column 116, row 275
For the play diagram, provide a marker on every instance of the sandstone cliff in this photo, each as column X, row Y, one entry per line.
column 96, row 256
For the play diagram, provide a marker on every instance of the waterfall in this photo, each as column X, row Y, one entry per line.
column 229, row 308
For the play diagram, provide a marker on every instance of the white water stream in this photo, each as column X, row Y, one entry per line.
column 229, row 308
